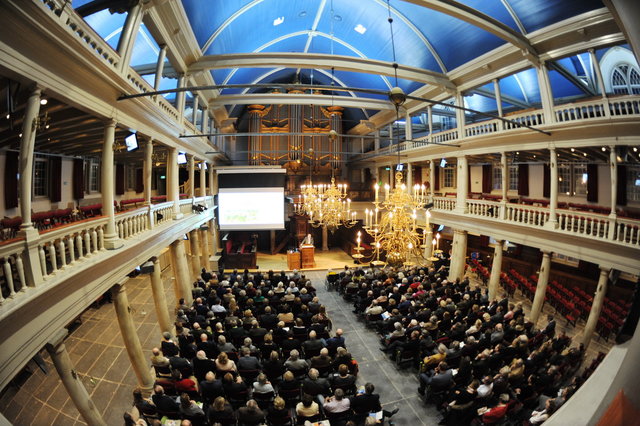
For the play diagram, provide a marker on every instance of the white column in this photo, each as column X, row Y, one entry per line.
column 160, row 299
column 173, row 187
column 147, row 170
column 504, row 166
column 596, row 306
column 498, row 95
column 203, row 179
column 182, row 283
column 194, row 240
column 27, row 144
column 598, row 71
column 181, row 96
column 613, row 165
column 194, row 116
column 546, row 96
column 376, row 141
column 541, row 287
column 460, row 119
column 430, row 121
column 111, row 240
column 409, row 180
column 129, row 333
column 462, row 189
column 553, row 202
column 160, row 66
column 72, row 381
column 432, row 178
column 458, row 255
column 496, row 269
column 205, row 247
column 213, row 181
column 128, row 35
column 192, row 176
column 204, row 126
column 408, row 130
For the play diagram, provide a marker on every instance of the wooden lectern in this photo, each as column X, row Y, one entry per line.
column 293, row 260
column 308, row 252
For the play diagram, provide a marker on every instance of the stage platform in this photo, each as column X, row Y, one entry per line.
column 333, row 259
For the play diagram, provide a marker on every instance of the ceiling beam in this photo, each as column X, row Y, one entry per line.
column 301, row 99
column 506, row 98
column 319, row 60
column 476, row 18
column 572, row 78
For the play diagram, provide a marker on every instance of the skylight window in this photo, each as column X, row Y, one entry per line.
column 278, row 21
column 360, row 29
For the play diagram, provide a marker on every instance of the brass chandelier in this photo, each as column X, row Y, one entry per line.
column 392, row 223
column 326, row 205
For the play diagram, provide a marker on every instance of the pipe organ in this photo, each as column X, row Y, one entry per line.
column 321, row 148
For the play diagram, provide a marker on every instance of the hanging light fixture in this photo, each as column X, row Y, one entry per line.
column 327, row 205
column 392, row 222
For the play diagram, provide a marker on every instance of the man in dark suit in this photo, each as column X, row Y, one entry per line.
column 364, row 403
column 440, row 379
column 316, row 386
column 168, row 346
column 163, row 402
column 268, row 320
column 202, row 365
column 211, row 388
column 209, row 347
column 248, row 362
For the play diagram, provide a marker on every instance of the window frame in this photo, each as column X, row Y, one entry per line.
column 449, row 169
column 40, row 184
column 513, row 177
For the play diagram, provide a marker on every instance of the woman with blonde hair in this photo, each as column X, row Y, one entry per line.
column 223, row 363
column 221, row 411
column 277, row 412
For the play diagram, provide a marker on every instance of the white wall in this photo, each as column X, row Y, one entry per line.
column 536, row 181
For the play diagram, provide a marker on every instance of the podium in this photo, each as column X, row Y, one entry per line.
column 308, row 253
column 293, row 260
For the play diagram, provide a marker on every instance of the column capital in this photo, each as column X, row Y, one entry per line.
column 459, row 231
column 605, row 269
column 58, row 339
column 546, row 253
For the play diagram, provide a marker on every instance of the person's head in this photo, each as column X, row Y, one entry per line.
column 278, row 403
column 222, row 340
column 324, row 352
column 185, row 401
column 369, row 388
column 313, row 374
column 504, row 398
column 288, row 376
column 227, row 378
column 370, row 421
column 312, row 335
column 155, row 352
column 252, row 405
column 339, row 394
column 223, row 358
column 246, row 351
column 343, row 370
column 210, row 376
column 550, row 406
column 158, row 390
column 307, row 400
column 218, row 403
column 186, row 422
column 294, row 355
column 166, row 335
column 262, row 378
column 137, row 395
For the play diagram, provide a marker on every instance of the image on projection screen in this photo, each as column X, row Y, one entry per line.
column 251, row 208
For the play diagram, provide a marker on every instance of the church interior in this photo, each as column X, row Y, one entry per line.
column 418, row 212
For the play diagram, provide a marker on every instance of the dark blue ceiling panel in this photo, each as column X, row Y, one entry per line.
column 495, row 9
column 522, row 86
column 561, row 87
column 537, row 14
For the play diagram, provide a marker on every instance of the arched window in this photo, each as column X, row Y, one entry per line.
column 625, row 79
